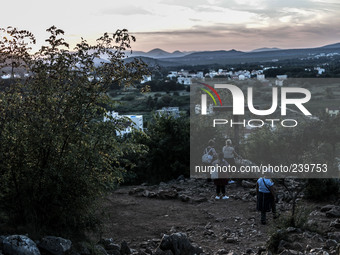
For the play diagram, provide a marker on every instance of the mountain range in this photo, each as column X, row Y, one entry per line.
column 164, row 58
column 158, row 53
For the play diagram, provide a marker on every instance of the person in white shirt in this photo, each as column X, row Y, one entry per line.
column 229, row 152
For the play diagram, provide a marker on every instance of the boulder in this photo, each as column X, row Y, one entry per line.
column 99, row 250
column 222, row 251
column 250, row 251
column 55, row 245
column 83, row 249
column 290, row 252
column 19, row 245
column 331, row 243
column 335, row 224
column 2, row 238
column 232, row 253
column 159, row 251
column 184, row 198
column 178, row 244
column 168, row 194
column 334, row 235
column 124, row 248
column 180, row 178
column 334, row 212
column 109, row 244
column 248, row 184
column 326, row 208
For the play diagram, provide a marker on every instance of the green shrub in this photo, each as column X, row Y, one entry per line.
column 279, row 232
column 167, row 150
column 128, row 98
column 55, row 158
column 322, row 189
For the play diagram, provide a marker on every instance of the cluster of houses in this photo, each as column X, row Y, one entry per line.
column 135, row 122
column 16, row 76
column 323, row 55
column 185, row 77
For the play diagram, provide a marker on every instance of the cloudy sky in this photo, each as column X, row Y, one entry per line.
column 184, row 24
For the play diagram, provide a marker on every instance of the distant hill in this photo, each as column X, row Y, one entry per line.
column 332, row 46
column 265, row 49
column 234, row 56
column 157, row 53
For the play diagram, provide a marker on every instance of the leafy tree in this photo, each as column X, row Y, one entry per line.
column 168, row 153
column 57, row 155
column 14, row 48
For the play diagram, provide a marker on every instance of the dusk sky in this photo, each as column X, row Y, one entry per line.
column 184, row 25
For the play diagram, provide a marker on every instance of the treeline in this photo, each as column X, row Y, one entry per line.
column 164, row 85
column 151, row 103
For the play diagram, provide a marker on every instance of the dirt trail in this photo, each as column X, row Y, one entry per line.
column 141, row 215
column 232, row 224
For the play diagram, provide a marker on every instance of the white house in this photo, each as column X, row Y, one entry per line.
column 200, row 75
column 241, row 77
column 6, row 76
column 211, row 74
column 184, row 80
column 210, row 109
column 320, row 70
column 279, row 82
column 260, row 77
column 146, row 78
column 172, row 74
column 132, row 122
column 169, row 111
column 282, row 77
column 333, row 111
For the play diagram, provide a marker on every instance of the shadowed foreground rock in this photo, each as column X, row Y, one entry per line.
column 179, row 244
column 55, row 245
column 19, row 245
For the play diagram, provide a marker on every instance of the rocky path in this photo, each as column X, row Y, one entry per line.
column 182, row 217
column 141, row 215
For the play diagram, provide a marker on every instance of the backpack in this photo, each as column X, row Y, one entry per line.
column 207, row 158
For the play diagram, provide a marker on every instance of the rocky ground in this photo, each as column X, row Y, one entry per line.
column 182, row 217
column 142, row 214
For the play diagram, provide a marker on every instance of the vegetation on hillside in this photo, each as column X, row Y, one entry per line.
column 56, row 154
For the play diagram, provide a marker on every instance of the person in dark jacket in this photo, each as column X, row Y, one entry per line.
column 220, row 179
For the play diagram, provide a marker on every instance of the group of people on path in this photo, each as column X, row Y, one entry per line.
column 266, row 195
column 224, row 158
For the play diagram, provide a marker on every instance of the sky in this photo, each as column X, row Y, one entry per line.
column 185, row 25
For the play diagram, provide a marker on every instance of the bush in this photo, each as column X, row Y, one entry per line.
column 55, row 158
column 299, row 220
column 322, row 189
column 128, row 98
column 167, row 150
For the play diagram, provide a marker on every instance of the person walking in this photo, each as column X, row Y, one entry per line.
column 220, row 178
column 209, row 156
column 209, row 153
column 229, row 152
column 265, row 198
